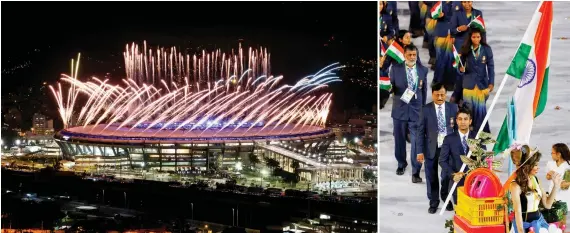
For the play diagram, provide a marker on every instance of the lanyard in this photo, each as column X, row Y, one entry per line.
column 415, row 78
column 478, row 52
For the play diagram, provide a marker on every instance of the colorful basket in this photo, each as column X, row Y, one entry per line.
column 480, row 211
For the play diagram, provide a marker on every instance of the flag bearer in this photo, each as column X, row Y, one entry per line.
column 443, row 72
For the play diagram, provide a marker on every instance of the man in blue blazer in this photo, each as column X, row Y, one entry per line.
column 409, row 80
column 436, row 123
column 454, row 145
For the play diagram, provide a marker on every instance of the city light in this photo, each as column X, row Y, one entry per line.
column 356, row 140
column 18, row 142
column 264, row 172
column 239, row 166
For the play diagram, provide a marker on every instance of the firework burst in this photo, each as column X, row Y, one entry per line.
column 167, row 91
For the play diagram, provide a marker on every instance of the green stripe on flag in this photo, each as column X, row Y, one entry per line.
column 394, row 55
column 518, row 64
column 502, row 139
column 543, row 94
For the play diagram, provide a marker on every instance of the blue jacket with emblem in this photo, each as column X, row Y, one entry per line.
column 399, row 80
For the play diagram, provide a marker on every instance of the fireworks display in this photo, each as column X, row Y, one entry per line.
column 165, row 90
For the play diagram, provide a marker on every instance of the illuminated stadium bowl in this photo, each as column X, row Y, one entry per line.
column 180, row 112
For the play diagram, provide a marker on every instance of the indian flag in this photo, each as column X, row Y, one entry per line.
column 478, row 22
column 436, row 10
column 396, row 51
column 382, row 49
column 385, row 83
column 531, row 67
column 456, row 58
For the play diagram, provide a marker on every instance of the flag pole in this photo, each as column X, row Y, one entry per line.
column 503, row 82
column 471, row 21
column 450, row 194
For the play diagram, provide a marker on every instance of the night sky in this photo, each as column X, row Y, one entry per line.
column 40, row 38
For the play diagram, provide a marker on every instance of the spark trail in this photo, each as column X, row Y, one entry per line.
column 167, row 90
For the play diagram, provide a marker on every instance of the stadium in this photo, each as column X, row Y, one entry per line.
column 177, row 112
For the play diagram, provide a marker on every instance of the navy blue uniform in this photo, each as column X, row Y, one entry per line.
column 450, row 156
column 473, row 86
column 427, row 143
column 406, row 115
column 461, row 18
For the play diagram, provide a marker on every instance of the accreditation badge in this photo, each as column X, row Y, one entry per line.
column 484, row 60
column 456, row 7
column 408, row 95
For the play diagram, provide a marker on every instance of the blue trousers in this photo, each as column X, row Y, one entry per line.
column 400, row 148
column 432, row 181
column 415, row 19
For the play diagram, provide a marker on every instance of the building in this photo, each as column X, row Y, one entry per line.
column 314, row 148
column 180, row 150
column 358, row 123
column 50, row 124
column 313, row 167
column 52, row 149
column 337, row 150
column 369, row 132
column 40, row 124
column 338, row 132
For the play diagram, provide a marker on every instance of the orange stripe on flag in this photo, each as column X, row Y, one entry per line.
column 542, row 47
column 398, row 47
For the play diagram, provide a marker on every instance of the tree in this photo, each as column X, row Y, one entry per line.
column 295, row 165
column 57, row 165
column 272, row 163
column 368, row 142
column 287, row 177
column 368, row 175
column 217, row 163
column 253, row 159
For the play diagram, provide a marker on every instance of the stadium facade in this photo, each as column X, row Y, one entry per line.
column 203, row 150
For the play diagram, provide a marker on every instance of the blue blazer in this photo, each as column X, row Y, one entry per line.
column 460, row 18
column 480, row 72
column 443, row 24
column 386, row 27
column 428, row 127
column 451, row 150
column 399, row 81
column 392, row 10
